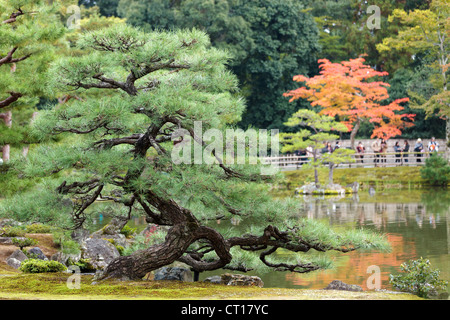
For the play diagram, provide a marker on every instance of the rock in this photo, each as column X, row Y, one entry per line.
column 19, row 255
column 37, row 253
column 236, row 280
column 79, row 235
column 99, row 252
column 9, row 222
column 13, row 262
column 66, row 259
column 214, row 279
column 173, row 273
column 5, row 240
column 117, row 239
column 339, row 285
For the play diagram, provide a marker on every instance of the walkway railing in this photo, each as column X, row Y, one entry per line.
column 365, row 160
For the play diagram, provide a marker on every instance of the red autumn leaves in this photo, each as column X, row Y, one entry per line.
column 350, row 90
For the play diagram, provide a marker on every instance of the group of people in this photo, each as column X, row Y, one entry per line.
column 379, row 147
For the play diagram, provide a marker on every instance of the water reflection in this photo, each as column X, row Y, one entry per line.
column 417, row 224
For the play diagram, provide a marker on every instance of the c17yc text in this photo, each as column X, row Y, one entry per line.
column 234, row 309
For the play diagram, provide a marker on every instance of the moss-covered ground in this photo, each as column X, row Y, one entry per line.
column 53, row 286
column 380, row 177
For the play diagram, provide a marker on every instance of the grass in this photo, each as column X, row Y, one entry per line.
column 380, row 177
column 52, row 286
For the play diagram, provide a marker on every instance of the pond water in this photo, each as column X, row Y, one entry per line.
column 416, row 223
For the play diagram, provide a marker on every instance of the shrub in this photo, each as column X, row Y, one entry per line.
column 9, row 231
column 84, row 265
column 70, row 247
column 24, row 242
column 418, row 279
column 38, row 228
column 127, row 231
column 41, row 266
column 436, row 171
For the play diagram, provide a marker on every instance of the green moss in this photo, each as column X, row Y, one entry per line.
column 54, row 286
column 380, row 177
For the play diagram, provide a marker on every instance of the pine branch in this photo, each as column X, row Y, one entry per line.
column 14, row 96
column 9, row 57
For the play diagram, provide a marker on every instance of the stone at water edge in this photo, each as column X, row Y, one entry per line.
column 173, row 273
column 339, row 285
column 236, row 280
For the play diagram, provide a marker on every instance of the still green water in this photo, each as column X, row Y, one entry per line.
column 417, row 224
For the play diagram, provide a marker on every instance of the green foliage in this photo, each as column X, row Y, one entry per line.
column 269, row 41
column 25, row 242
column 436, row 170
column 12, row 231
column 39, row 228
column 419, row 278
column 41, row 266
column 84, row 265
column 127, row 231
column 30, row 38
column 65, row 243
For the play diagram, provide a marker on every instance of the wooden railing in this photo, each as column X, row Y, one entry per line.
column 365, row 160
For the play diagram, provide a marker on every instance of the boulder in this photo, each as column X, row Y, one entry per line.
column 99, row 252
column 5, row 240
column 66, row 259
column 214, row 279
column 241, row 280
column 37, row 253
column 9, row 222
column 19, row 255
column 79, row 235
column 13, row 263
column 236, row 280
column 339, row 285
column 173, row 273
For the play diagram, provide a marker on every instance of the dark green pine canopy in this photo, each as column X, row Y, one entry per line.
column 116, row 144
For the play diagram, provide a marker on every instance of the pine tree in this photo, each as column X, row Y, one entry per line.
column 28, row 32
column 119, row 145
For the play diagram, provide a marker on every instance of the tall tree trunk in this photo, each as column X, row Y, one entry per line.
column 330, row 174
column 447, row 139
column 7, row 117
column 354, row 132
column 316, row 172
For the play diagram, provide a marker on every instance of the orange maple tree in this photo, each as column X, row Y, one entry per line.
column 348, row 91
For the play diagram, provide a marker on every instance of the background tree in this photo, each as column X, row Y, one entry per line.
column 156, row 84
column 28, row 32
column 315, row 135
column 269, row 42
column 427, row 34
column 344, row 90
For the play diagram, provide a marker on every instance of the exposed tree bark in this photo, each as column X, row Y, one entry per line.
column 7, row 117
column 354, row 132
